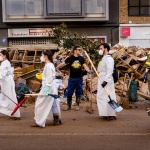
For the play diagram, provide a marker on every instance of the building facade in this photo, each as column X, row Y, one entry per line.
column 134, row 19
column 26, row 22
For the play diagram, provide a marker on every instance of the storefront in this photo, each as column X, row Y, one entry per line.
column 38, row 37
column 30, row 37
column 135, row 34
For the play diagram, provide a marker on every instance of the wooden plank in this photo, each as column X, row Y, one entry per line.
column 144, row 95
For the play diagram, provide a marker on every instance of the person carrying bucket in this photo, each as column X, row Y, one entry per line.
column 8, row 99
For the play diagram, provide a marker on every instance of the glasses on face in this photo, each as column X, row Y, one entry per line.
column 79, row 50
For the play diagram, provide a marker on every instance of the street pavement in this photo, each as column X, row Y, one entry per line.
column 79, row 131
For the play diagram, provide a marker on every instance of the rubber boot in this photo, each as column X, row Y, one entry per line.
column 69, row 102
column 111, row 118
column 56, row 120
column 77, row 104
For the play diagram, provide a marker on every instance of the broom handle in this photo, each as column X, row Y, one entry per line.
column 124, row 86
column 34, row 95
column 96, row 71
column 130, row 81
column 91, row 90
column 8, row 97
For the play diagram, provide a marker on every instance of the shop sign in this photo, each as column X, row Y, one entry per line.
column 33, row 32
column 125, row 31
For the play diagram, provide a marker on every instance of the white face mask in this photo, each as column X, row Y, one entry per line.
column 100, row 52
column 42, row 59
column 1, row 58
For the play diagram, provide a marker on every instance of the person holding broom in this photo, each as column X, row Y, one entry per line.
column 105, row 70
column 75, row 81
column 7, row 92
column 47, row 106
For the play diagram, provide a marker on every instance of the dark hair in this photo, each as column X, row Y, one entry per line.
column 49, row 54
column 75, row 47
column 5, row 53
column 106, row 45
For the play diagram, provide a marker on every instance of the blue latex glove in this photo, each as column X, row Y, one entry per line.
column 46, row 90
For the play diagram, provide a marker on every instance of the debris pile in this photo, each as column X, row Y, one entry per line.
column 129, row 61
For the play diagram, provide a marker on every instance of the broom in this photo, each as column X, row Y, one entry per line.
column 125, row 102
column 17, row 104
column 89, row 109
column 25, row 97
column 112, row 103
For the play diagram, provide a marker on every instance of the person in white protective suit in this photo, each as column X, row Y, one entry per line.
column 7, row 86
column 46, row 106
column 105, row 70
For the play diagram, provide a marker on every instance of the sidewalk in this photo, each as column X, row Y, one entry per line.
column 81, row 129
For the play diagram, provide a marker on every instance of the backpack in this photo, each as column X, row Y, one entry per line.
column 115, row 73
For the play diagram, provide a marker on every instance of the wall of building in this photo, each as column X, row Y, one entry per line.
column 3, row 37
column 92, row 28
column 124, row 18
column 139, row 27
column 139, row 36
column 110, row 32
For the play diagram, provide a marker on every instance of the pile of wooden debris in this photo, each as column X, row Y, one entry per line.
column 130, row 63
column 131, row 66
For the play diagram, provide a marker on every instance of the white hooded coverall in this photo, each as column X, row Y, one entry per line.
column 43, row 104
column 106, row 70
column 8, row 88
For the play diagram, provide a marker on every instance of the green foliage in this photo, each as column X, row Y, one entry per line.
column 64, row 38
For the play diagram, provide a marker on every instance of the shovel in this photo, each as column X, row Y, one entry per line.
column 112, row 103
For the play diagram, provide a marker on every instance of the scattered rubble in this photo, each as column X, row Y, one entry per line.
column 130, row 63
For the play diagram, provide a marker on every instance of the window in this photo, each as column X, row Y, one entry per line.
column 24, row 8
column 55, row 10
column 139, row 7
column 65, row 8
column 95, row 8
column 75, row 8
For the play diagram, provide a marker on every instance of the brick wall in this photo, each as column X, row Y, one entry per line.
column 124, row 18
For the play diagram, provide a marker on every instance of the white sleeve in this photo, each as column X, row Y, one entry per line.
column 3, row 71
column 49, row 74
column 109, row 68
column 146, row 70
